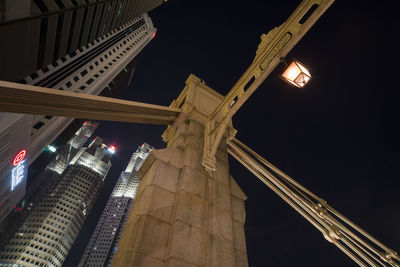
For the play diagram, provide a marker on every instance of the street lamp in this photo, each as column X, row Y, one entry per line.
column 295, row 73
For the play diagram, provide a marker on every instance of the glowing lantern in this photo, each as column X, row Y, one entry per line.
column 296, row 74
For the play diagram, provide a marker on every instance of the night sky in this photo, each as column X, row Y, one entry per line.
column 338, row 136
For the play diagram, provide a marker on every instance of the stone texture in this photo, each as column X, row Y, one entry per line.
column 219, row 194
column 194, row 141
column 194, row 182
column 238, row 210
column 241, row 258
column 143, row 235
column 222, row 155
column 172, row 262
column 157, row 202
column 180, row 135
column 238, row 236
column 195, row 128
column 144, row 261
column 220, row 221
column 171, row 156
column 220, row 252
column 184, row 215
column 188, row 243
column 192, row 158
column 156, row 176
column 222, row 172
column 236, row 190
column 191, row 209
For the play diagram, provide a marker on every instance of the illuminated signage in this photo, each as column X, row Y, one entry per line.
column 18, row 172
column 19, row 157
column 17, row 175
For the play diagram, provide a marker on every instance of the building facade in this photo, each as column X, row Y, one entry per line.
column 48, row 233
column 104, row 241
column 49, row 30
column 74, row 45
column 14, row 148
column 46, row 180
column 90, row 69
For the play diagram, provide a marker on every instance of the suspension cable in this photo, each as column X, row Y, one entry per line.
column 316, row 210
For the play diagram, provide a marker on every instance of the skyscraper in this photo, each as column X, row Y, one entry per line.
column 49, row 30
column 14, row 142
column 104, row 241
column 90, row 69
column 50, row 230
column 73, row 45
column 46, row 181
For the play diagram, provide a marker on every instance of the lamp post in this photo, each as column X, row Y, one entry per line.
column 295, row 73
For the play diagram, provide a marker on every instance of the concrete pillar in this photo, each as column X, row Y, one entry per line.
column 182, row 214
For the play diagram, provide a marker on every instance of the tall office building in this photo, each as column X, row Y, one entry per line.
column 36, row 33
column 104, row 241
column 14, row 142
column 53, row 225
column 46, row 181
column 90, row 69
column 74, row 45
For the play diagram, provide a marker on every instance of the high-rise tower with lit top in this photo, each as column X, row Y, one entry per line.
column 48, row 233
column 104, row 242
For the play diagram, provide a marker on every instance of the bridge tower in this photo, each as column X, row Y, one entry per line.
column 184, row 214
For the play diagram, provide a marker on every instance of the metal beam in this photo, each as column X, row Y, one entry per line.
column 21, row 98
column 274, row 45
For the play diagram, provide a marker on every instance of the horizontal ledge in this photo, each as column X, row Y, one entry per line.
column 21, row 93
column 21, row 98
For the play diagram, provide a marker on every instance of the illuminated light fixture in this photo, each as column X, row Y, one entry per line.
column 154, row 35
column 112, row 149
column 19, row 157
column 51, row 148
column 17, row 174
column 91, row 143
column 295, row 73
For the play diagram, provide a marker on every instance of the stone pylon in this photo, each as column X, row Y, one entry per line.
column 184, row 215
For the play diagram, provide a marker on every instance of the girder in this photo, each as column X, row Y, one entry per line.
column 274, row 45
column 21, row 98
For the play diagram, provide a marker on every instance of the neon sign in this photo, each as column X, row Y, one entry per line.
column 18, row 172
column 19, row 157
column 17, row 175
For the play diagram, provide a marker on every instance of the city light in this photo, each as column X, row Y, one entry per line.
column 112, row 149
column 19, row 157
column 51, row 148
column 296, row 74
column 18, row 172
column 17, row 175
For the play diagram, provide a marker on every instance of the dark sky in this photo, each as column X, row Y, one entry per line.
column 338, row 136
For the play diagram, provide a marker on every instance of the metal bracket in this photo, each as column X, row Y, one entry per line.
column 274, row 45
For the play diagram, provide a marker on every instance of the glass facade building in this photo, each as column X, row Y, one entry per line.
column 46, row 236
column 72, row 45
column 104, row 242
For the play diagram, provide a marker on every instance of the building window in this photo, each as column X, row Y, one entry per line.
column 38, row 125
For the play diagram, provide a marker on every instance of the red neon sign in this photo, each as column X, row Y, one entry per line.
column 19, row 157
